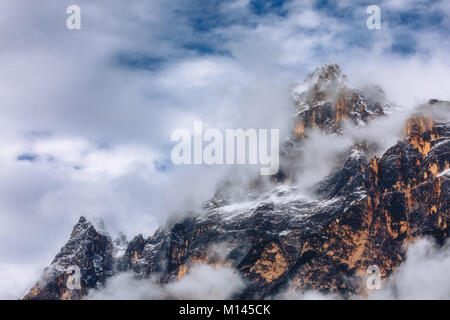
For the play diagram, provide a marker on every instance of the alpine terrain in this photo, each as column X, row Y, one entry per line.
column 373, row 204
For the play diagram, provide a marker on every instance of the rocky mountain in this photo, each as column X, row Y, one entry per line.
column 325, row 99
column 91, row 251
column 363, row 214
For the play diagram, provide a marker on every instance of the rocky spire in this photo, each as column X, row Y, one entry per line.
column 88, row 255
column 324, row 100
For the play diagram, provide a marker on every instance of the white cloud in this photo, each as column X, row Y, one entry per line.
column 424, row 274
column 197, row 73
column 402, row 5
column 63, row 149
column 17, row 279
column 291, row 293
column 203, row 282
column 206, row 282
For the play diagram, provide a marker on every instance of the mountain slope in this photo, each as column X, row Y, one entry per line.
column 90, row 251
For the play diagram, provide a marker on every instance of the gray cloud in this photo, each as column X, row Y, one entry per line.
column 202, row 282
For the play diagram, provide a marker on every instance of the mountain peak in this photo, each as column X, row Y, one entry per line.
column 327, row 72
column 324, row 100
column 322, row 79
column 88, row 251
column 83, row 229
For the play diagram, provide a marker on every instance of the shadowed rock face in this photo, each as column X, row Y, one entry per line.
column 363, row 214
column 89, row 250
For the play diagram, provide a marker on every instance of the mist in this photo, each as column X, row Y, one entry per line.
column 202, row 282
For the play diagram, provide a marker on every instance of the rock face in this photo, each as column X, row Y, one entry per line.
column 88, row 251
column 324, row 100
column 362, row 214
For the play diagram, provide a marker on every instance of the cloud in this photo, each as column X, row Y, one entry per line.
column 404, row 5
column 201, row 283
column 291, row 293
column 125, row 286
column 318, row 157
column 424, row 274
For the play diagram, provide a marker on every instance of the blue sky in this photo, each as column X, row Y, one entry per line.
column 86, row 115
column 206, row 24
